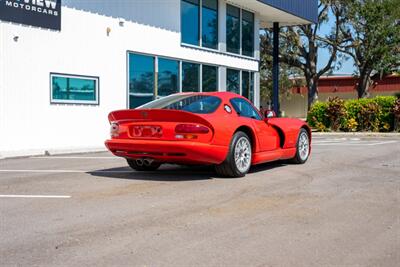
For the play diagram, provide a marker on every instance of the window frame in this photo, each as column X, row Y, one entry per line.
column 200, row 28
column 240, row 54
column 155, row 77
column 199, row 78
column 157, row 72
column 251, row 82
column 241, row 32
column 95, row 102
column 202, row 80
column 239, row 80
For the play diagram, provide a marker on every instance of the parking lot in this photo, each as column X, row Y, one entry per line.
column 341, row 208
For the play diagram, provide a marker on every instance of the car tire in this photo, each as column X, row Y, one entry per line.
column 132, row 163
column 238, row 160
column 302, row 147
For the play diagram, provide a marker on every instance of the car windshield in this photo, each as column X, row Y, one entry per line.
column 194, row 103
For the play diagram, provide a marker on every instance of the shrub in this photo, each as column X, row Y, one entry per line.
column 396, row 114
column 375, row 114
column 317, row 116
column 351, row 125
column 335, row 112
column 386, row 118
column 368, row 117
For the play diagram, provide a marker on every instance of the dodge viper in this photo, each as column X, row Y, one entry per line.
column 220, row 128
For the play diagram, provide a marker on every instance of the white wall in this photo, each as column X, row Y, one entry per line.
column 29, row 124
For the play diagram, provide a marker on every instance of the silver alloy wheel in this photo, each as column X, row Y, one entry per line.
column 243, row 154
column 304, row 146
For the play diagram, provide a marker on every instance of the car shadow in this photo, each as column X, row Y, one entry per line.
column 167, row 173
column 175, row 173
column 268, row 166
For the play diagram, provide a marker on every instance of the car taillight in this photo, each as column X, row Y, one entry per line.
column 114, row 129
column 191, row 129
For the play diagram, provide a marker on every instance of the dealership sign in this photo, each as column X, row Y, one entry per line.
column 40, row 13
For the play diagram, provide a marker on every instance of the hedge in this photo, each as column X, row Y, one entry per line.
column 366, row 114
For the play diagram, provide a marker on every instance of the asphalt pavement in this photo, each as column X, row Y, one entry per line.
column 341, row 208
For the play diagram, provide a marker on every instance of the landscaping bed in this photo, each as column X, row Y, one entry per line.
column 379, row 114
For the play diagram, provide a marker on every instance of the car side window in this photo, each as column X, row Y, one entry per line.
column 244, row 108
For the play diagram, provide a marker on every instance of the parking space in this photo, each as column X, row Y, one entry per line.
column 340, row 208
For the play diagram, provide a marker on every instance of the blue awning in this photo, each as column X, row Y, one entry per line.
column 285, row 12
column 305, row 9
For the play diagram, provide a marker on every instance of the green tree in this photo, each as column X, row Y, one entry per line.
column 299, row 46
column 288, row 78
column 372, row 38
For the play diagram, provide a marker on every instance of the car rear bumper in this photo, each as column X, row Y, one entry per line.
column 168, row 151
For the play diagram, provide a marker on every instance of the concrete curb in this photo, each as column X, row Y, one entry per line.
column 49, row 152
column 357, row 134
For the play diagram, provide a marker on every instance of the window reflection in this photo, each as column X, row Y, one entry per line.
column 190, row 77
column 233, row 29
column 73, row 89
column 190, row 21
column 168, row 73
column 232, row 81
column 210, row 23
column 247, row 33
column 141, row 79
column 246, row 84
column 210, row 78
column 245, row 109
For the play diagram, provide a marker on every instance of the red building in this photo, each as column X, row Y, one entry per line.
column 344, row 87
column 347, row 84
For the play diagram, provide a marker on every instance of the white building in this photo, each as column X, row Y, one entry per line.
column 58, row 86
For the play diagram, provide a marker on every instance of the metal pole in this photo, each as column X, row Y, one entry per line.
column 275, row 70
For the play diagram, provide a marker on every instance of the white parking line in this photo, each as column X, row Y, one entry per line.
column 64, row 171
column 381, row 143
column 32, row 196
column 360, row 143
column 71, row 157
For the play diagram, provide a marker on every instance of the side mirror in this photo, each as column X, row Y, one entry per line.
column 269, row 114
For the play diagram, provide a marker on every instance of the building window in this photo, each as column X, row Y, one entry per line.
column 74, row 89
column 141, row 79
column 209, row 28
column 210, row 78
column 233, row 81
column 199, row 23
column 233, row 29
column 246, row 84
column 168, row 77
column 239, row 31
column 190, row 77
column 247, row 33
column 190, row 18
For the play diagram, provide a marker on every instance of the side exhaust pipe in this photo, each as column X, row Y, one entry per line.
column 139, row 162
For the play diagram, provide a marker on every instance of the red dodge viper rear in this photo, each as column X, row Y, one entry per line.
column 221, row 129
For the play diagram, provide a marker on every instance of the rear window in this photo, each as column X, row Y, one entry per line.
column 201, row 104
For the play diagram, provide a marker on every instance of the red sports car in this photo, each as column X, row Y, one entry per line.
column 221, row 129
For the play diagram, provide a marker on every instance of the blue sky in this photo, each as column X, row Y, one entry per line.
column 347, row 66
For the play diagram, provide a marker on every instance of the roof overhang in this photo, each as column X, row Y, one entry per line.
column 285, row 12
